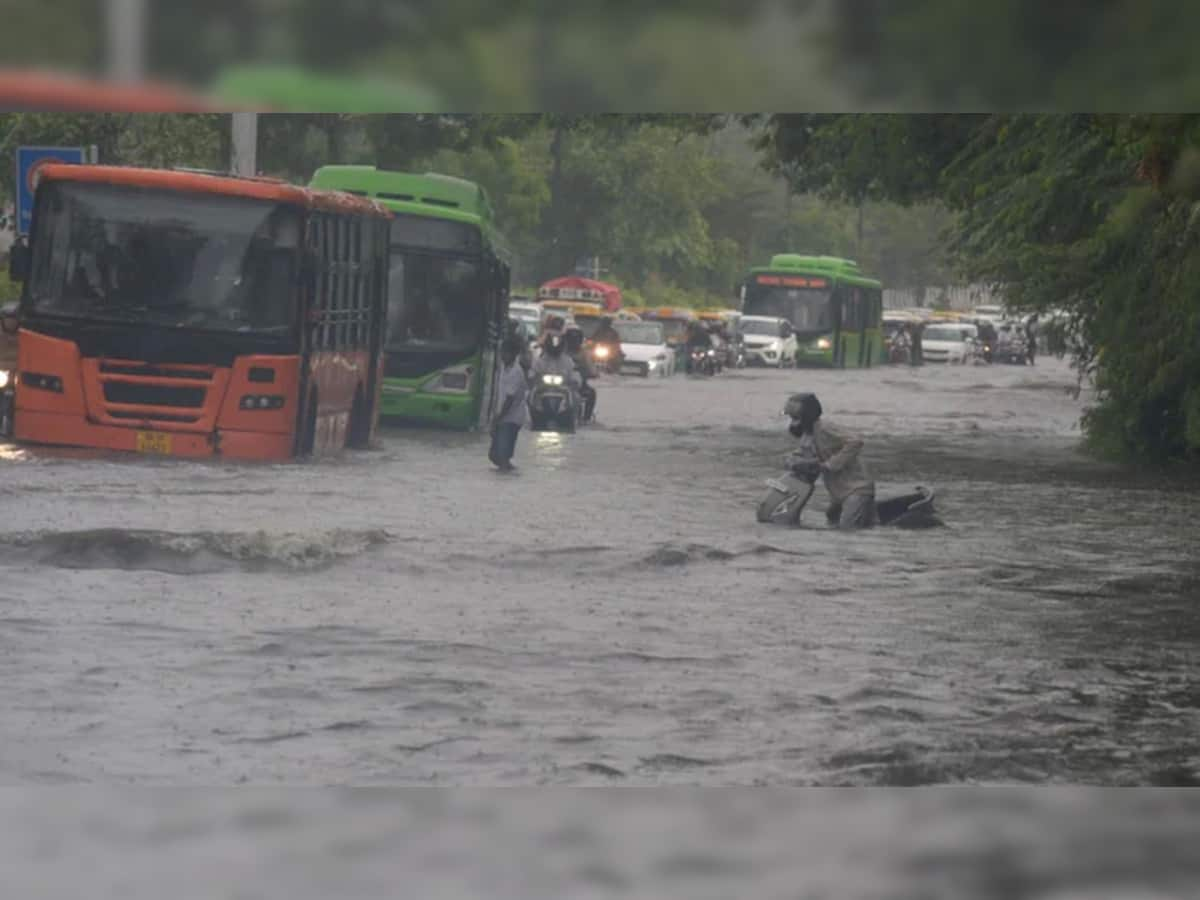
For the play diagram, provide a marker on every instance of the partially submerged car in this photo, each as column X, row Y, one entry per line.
column 644, row 349
column 949, row 342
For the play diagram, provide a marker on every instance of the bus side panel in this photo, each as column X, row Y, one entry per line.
column 336, row 376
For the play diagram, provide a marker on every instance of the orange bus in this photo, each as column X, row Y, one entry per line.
column 197, row 314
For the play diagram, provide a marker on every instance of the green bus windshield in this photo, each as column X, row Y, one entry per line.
column 434, row 302
column 807, row 309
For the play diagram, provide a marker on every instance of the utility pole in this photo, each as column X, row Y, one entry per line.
column 126, row 25
column 244, row 144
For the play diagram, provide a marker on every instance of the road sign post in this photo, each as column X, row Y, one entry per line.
column 29, row 160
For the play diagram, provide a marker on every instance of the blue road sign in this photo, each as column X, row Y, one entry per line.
column 29, row 160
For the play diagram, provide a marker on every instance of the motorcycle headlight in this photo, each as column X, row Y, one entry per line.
column 824, row 343
column 601, row 352
column 552, row 380
column 4, row 379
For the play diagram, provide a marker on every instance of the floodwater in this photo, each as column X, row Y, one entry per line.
column 613, row 615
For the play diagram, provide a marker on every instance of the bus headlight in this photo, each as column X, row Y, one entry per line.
column 455, row 380
column 262, row 401
column 42, row 382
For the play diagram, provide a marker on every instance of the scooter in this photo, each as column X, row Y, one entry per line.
column 787, row 496
column 553, row 405
column 702, row 361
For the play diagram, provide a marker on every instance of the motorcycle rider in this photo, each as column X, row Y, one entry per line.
column 608, row 336
column 851, row 489
column 574, row 347
column 553, row 324
column 987, row 336
column 515, row 331
column 698, row 338
column 555, row 361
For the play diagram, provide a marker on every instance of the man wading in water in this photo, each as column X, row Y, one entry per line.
column 512, row 413
column 850, row 488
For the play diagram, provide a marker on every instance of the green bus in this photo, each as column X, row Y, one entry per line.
column 447, row 295
column 836, row 311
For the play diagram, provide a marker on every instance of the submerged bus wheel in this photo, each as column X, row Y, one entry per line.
column 358, row 435
column 308, row 435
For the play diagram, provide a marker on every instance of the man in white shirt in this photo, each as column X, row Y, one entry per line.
column 512, row 414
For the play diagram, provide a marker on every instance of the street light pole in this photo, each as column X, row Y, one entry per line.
column 126, row 22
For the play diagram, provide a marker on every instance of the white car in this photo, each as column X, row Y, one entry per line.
column 768, row 341
column 949, row 342
column 645, row 349
column 529, row 313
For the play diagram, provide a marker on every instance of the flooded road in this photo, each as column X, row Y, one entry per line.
column 614, row 614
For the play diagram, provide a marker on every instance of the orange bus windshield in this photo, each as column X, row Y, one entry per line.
column 106, row 252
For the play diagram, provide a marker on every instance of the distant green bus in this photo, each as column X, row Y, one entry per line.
column 836, row 311
column 447, row 295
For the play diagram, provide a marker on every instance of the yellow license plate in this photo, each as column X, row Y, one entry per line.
column 153, row 442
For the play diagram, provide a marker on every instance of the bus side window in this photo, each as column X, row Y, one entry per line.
column 324, row 333
column 337, row 295
column 356, row 334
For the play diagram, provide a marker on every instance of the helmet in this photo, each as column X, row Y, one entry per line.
column 803, row 406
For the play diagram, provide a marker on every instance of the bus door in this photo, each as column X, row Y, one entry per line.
column 378, row 250
column 859, row 305
column 308, row 312
column 837, row 307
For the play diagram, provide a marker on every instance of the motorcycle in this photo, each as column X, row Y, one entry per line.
column 787, row 496
column 1013, row 352
column 553, row 405
column 899, row 352
column 702, row 360
column 981, row 353
column 607, row 358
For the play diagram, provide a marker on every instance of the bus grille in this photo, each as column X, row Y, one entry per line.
column 133, row 393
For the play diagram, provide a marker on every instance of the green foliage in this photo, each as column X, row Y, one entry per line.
column 122, row 138
column 9, row 289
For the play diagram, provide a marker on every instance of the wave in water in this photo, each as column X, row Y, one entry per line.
column 194, row 553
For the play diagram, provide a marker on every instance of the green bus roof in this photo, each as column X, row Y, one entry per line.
column 831, row 266
column 429, row 194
